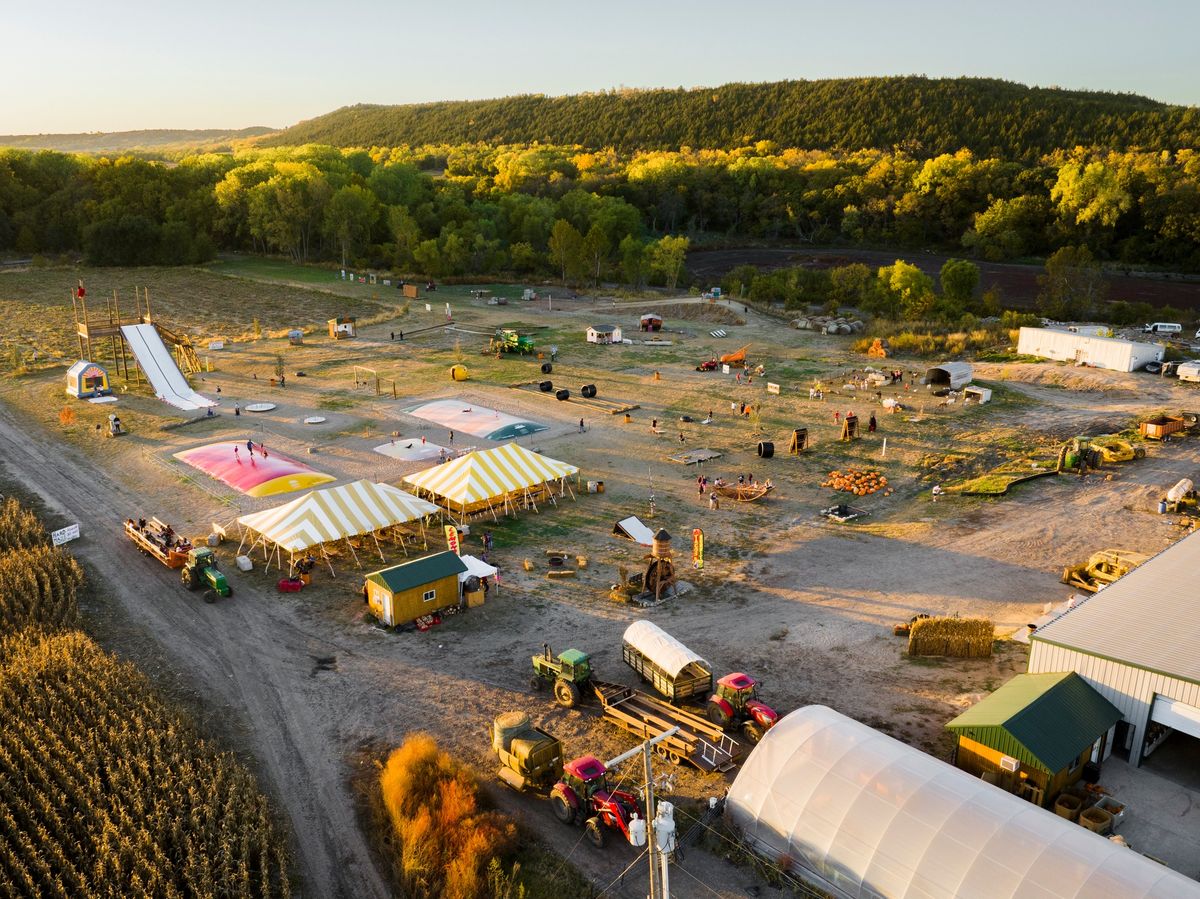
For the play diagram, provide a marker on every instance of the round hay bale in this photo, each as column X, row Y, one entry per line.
column 547, row 368
column 546, row 386
column 562, row 395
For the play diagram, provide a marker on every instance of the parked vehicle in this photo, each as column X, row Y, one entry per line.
column 1189, row 371
column 735, row 704
column 530, row 758
column 568, row 674
column 583, row 795
column 1163, row 328
column 666, row 664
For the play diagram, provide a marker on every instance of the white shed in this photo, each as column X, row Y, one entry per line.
column 1100, row 352
column 604, row 334
column 861, row 816
column 953, row 375
column 1137, row 642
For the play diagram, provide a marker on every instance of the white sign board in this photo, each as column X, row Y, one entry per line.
column 772, row 388
column 724, row 369
column 428, row 307
column 216, row 345
column 65, row 535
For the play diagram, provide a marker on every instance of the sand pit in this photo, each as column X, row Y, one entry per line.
column 478, row 421
column 412, row 449
column 250, row 473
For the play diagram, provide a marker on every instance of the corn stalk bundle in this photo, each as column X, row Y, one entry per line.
column 960, row 637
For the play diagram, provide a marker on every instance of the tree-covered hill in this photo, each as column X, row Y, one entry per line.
column 130, row 141
column 927, row 116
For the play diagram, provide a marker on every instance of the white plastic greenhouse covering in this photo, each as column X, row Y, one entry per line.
column 869, row 817
column 661, row 648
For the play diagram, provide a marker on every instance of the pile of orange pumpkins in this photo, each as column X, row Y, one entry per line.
column 860, row 482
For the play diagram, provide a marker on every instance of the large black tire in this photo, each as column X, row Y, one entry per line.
column 190, row 581
column 210, row 596
column 566, row 693
column 717, row 715
column 562, row 809
column 1139, row 452
column 752, row 731
column 594, row 831
column 536, row 684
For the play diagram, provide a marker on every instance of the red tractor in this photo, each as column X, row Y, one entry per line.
column 707, row 365
column 582, row 796
column 736, row 704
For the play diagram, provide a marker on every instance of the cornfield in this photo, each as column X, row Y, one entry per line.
column 105, row 792
column 442, row 843
column 20, row 528
column 37, row 588
column 961, row 637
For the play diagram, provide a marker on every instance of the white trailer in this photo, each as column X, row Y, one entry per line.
column 1189, row 371
column 1099, row 352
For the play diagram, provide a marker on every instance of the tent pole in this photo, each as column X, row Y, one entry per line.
column 353, row 553
column 375, row 537
column 325, row 556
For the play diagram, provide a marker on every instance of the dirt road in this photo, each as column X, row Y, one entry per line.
column 241, row 655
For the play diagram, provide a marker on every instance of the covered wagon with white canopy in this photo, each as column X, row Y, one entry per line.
column 666, row 664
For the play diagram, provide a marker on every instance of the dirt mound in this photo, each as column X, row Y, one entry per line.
column 701, row 312
column 1066, row 377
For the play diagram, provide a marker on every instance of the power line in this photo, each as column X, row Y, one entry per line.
column 628, row 868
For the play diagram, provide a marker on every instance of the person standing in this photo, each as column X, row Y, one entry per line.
column 250, row 446
column 581, row 426
column 451, row 436
column 393, row 334
column 713, row 505
column 837, row 416
column 871, row 425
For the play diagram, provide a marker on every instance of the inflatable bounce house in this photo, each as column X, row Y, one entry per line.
column 87, row 379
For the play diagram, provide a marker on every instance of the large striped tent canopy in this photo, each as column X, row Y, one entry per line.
column 486, row 478
column 336, row 513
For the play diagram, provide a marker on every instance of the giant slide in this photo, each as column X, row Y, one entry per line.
column 156, row 361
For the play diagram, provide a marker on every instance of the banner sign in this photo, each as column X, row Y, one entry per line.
column 772, row 388
column 697, row 548
column 65, row 535
column 452, row 539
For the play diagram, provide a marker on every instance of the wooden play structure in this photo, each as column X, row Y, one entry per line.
column 87, row 379
column 850, row 428
column 660, row 567
column 743, row 493
column 368, row 377
column 93, row 326
column 799, row 441
column 343, row 328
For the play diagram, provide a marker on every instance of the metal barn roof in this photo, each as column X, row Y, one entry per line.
column 1149, row 619
column 1044, row 720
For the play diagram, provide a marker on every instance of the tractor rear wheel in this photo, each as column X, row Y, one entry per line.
column 562, row 809
column 717, row 715
column 595, row 832
column 566, row 693
column 753, row 731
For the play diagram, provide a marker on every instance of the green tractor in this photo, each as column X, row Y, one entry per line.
column 509, row 341
column 201, row 570
column 569, row 674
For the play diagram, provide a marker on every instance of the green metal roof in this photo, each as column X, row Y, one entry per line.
column 573, row 656
column 1044, row 720
column 418, row 571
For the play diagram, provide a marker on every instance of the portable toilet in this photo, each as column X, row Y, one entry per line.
column 341, row 328
column 295, row 337
column 458, row 373
column 87, row 379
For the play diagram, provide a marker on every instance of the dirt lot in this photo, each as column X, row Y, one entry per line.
column 1018, row 283
column 302, row 684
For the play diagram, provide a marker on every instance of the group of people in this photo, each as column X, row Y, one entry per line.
column 250, row 448
column 163, row 537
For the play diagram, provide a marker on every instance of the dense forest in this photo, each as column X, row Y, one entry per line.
column 477, row 209
column 924, row 116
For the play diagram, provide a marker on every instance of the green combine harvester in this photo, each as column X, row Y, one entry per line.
column 509, row 341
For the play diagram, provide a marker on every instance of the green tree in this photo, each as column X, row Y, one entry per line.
column 1073, row 286
column 633, row 261
column 566, row 248
column 350, row 215
column 667, row 255
column 959, row 279
column 595, row 249
column 909, row 287
column 848, row 284
column 524, row 257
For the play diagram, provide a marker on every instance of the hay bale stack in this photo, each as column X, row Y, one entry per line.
column 964, row 638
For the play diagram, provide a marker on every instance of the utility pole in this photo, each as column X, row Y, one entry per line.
column 658, row 880
column 651, row 842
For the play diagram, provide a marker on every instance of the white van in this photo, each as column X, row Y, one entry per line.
column 1163, row 328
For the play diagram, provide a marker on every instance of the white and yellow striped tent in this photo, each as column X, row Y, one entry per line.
column 331, row 515
column 504, row 478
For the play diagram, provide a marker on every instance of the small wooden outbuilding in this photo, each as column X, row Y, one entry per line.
column 341, row 328
column 423, row 586
column 604, row 334
column 1033, row 735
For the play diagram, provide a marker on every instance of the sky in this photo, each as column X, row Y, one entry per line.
column 133, row 64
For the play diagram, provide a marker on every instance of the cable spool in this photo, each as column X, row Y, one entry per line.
column 546, row 386
column 766, row 450
column 547, row 368
column 562, row 395
column 588, row 390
